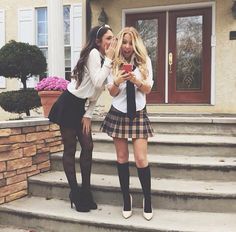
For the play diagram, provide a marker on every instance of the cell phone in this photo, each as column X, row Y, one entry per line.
column 127, row 67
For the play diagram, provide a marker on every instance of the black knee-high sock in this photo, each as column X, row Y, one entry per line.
column 123, row 173
column 69, row 141
column 144, row 175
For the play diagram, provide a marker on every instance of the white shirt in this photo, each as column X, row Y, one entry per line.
column 120, row 102
column 93, row 82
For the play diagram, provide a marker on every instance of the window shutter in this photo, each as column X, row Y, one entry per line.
column 76, row 32
column 26, row 34
column 2, row 28
column 2, row 42
column 26, row 24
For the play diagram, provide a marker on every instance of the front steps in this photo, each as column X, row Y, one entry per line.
column 177, row 144
column 56, row 215
column 176, row 194
column 13, row 229
column 193, row 184
column 164, row 166
column 188, row 124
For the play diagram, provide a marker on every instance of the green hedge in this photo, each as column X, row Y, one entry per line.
column 19, row 101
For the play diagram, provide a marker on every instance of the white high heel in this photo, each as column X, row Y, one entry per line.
column 126, row 214
column 147, row 216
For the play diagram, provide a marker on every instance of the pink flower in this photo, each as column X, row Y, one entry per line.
column 52, row 83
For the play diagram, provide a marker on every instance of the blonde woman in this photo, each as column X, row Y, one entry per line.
column 130, row 81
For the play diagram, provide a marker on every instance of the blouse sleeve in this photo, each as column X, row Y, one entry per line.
column 97, row 73
column 150, row 73
column 90, row 109
column 110, row 80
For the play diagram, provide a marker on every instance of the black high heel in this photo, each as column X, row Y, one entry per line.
column 80, row 205
column 71, row 204
column 92, row 204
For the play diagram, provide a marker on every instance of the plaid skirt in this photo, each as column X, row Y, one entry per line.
column 117, row 125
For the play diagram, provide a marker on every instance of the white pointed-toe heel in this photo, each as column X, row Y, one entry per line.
column 128, row 213
column 147, row 216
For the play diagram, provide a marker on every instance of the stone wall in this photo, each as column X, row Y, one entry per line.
column 25, row 148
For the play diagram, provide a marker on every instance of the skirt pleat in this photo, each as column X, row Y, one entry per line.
column 68, row 110
column 117, row 125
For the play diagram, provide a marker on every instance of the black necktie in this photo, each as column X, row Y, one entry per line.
column 131, row 104
column 102, row 61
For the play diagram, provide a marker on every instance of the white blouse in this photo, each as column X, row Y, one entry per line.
column 93, row 82
column 120, row 102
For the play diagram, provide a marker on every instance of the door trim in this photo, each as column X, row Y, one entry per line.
column 184, row 7
column 166, row 61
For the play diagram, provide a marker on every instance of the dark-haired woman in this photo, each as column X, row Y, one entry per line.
column 69, row 112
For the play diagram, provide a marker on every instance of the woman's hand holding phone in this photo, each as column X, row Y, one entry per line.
column 121, row 77
column 127, row 67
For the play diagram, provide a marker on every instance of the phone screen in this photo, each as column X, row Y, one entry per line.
column 127, row 67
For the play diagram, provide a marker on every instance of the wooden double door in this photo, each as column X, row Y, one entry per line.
column 179, row 45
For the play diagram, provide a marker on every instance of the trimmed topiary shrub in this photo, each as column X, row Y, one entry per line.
column 18, row 101
column 22, row 61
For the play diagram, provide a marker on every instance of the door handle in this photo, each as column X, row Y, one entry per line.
column 170, row 60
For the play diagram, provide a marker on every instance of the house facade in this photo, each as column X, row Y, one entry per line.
column 192, row 53
column 56, row 27
column 191, row 44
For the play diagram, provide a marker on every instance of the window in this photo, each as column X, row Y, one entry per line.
column 42, row 31
column 66, row 15
column 42, row 35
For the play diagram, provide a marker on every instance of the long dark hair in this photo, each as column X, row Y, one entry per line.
column 95, row 34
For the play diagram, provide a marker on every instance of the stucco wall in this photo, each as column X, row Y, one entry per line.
column 225, row 93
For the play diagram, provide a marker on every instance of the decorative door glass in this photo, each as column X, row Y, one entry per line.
column 148, row 29
column 189, row 53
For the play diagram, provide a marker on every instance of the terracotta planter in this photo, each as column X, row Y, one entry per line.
column 48, row 98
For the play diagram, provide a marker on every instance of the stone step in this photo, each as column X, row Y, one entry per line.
column 178, row 194
column 50, row 215
column 198, row 125
column 176, row 144
column 163, row 166
column 8, row 228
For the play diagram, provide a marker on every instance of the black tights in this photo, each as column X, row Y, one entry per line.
column 69, row 138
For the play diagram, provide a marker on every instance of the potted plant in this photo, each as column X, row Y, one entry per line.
column 49, row 89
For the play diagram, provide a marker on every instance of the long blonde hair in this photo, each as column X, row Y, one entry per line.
column 140, row 52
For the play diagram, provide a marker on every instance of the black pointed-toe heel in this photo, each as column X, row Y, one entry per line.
column 80, row 205
column 71, row 204
column 92, row 204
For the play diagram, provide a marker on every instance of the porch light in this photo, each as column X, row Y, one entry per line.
column 234, row 9
column 103, row 19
